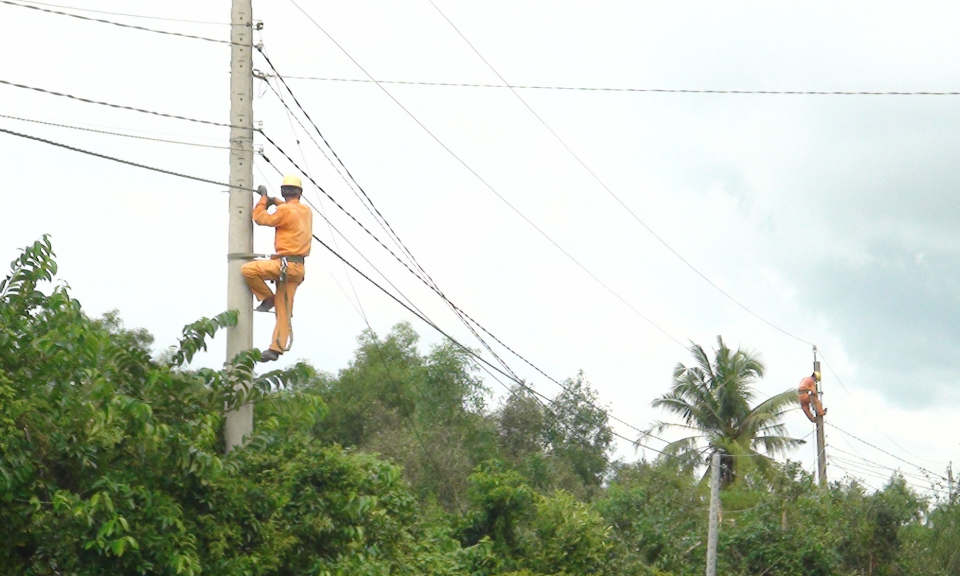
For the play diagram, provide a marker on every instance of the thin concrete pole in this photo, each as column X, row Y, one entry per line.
column 950, row 483
column 239, row 423
column 821, row 440
column 714, row 514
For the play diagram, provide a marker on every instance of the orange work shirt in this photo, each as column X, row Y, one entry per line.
column 294, row 224
column 807, row 384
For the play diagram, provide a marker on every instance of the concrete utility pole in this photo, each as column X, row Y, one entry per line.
column 239, row 422
column 714, row 514
column 821, row 440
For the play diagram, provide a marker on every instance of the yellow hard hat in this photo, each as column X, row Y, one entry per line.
column 291, row 180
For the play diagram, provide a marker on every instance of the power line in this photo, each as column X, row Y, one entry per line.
column 347, row 240
column 885, row 452
column 118, row 106
column 512, row 375
column 121, row 161
column 377, row 215
column 382, row 221
column 609, row 190
column 425, row 278
column 347, row 181
column 491, row 188
column 376, row 341
column 867, row 462
column 855, row 478
column 409, row 308
column 862, row 411
column 466, row 349
column 925, row 484
column 121, row 25
column 640, row 90
column 208, row 182
column 323, row 213
column 130, row 15
column 117, row 133
column 330, row 272
column 436, row 289
column 604, row 184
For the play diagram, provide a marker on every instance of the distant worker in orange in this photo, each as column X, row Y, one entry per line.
column 294, row 224
column 807, row 391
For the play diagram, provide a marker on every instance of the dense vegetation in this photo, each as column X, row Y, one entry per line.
column 111, row 462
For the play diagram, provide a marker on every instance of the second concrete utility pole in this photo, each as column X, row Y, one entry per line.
column 714, row 520
column 821, row 440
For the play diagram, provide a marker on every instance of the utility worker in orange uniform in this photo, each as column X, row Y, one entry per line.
column 807, row 391
column 294, row 224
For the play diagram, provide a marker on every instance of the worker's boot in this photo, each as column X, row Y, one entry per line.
column 266, row 305
column 269, row 355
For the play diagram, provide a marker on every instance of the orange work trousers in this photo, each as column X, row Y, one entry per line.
column 256, row 273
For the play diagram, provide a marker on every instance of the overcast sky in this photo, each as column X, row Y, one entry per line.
column 833, row 217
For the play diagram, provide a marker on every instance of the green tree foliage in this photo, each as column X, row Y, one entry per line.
column 712, row 399
column 112, row 462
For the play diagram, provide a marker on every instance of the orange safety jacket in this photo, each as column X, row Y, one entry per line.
column 294, row 224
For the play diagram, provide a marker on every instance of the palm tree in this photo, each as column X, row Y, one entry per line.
column 713, row 400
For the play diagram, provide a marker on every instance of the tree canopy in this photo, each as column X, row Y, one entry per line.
column 401, row 463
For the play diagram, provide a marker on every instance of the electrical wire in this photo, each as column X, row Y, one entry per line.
column 120, row 106
column 121, row 161
column 920, row 486
column 457, row 343
column 856, row 478
column 492, row 189
column 879, row 468
column 432, row 284
column 787, row 333
column 336, row 253
column 381, row 220
column 842, row 431
column 330, row 272
column 345, row 179
column 121, row 25
column 376, row 342
column 604, row 184
column 129, row 15
column 425, row 277
column 858, row 459
column 371, row 79
column 320, row 209
column 436, row 290
column 377, row 215
column 309, row 177
column 862, row 411
column 342, row 235
column 640, row 90
column 172, row 173
column 118, row 133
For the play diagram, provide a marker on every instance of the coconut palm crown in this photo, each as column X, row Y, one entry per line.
column 712, row 399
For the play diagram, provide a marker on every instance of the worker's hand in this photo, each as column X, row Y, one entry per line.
column 262, row 190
